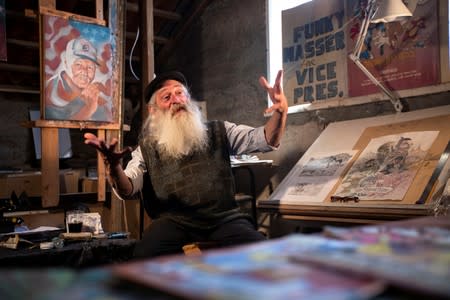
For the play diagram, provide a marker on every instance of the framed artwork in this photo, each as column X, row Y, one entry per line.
column 78, row 67
column 314, row 52
column 402, row 55
column 387, row 166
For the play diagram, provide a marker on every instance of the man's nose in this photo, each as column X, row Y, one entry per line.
column 175, row 98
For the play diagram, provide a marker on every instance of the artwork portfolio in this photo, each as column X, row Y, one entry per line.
column 78, row 70
column 312, row 181
column 387, row 166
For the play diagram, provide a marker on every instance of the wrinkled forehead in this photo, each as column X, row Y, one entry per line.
column 169, row 85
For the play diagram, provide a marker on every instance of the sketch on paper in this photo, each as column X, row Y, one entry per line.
column 78, row 62
column 387, row 166
column 313, row 181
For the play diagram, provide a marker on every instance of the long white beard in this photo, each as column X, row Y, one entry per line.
column 176, row 135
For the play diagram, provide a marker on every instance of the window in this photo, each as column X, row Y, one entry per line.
column 274, row 8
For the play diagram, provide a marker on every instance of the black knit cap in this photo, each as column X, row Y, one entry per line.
column 159, row 80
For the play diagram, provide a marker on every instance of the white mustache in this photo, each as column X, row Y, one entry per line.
column 177, row 107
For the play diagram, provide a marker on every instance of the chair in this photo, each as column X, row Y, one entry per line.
column 244, row 197
column 196, row 247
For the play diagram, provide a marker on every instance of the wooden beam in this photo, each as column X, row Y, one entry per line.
column 133, row 7
column 67, row 15
column 156, row 39
column 165, row 52
column 148, row 61
column 101, row 171
column 76, row 124
column 18, row 89
column 18, row 68
column 169, row 15
column 99, row 10
column 28, row 44
column 48, row 3
column 50, row 167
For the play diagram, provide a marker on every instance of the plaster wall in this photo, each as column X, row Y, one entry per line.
column 223, row 55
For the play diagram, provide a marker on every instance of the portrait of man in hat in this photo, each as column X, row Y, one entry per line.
column 79, row 89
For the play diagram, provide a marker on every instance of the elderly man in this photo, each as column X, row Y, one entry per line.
column 73, row 93
column 184, row 163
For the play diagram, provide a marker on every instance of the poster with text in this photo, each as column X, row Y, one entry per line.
column 402, row 54
column 314, row 52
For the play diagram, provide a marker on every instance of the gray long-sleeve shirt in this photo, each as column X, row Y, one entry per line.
column 242, row 139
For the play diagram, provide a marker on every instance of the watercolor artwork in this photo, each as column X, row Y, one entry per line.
column 387, row 166
column 312, row 181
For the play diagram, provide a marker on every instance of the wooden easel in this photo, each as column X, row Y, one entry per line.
column 49, row 128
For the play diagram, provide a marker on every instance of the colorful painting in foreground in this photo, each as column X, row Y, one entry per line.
column 258, row 271
column 78, row 70
column 387, row 166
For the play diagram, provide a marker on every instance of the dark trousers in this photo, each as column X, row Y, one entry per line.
column 167, row 237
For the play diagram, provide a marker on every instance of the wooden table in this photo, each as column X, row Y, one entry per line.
column 79, row 254
column 350, row 213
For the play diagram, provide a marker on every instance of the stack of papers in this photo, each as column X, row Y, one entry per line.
column 248, row 159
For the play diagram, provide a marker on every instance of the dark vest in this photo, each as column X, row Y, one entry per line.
column 196, row 190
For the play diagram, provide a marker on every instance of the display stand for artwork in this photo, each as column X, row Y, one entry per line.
column 105, row 130
column 355, row 135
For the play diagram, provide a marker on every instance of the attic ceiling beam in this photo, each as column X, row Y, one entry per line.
column 23, row 43
column 168, row 48
column 169, row 15
column 165, row 14
column 27, row 14
column 18, row 68
column 157, row 39
column 17, row 89
column 161, row 40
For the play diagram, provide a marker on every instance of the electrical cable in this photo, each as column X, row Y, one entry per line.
column 131, row 54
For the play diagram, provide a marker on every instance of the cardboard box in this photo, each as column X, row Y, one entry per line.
column 89, row 185
column 30, row 183
column 69, row 181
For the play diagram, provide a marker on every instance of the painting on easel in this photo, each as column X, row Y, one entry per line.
column 78, row 70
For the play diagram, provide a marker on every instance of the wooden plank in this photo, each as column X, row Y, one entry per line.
column 50, row 167
column 67, row 15
column 101, row 171
column 101, row 168
column 76, row 124
column 148, row 62
column 348, row 211
column 99, row 10
column 47, row 3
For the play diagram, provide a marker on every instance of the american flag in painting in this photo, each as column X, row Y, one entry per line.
column 58, row 34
